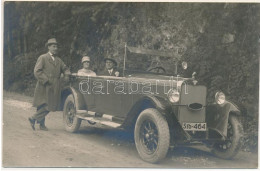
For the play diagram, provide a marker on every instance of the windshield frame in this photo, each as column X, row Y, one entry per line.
column 151, row 52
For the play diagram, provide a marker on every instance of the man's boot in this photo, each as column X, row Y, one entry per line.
column 42, row 125
column 32, row 122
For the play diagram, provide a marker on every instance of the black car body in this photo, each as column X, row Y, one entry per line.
column 163, row 110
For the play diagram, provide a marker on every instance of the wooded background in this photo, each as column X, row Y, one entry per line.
column 218, row 40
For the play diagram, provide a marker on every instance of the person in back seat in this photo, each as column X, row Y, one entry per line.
column 86, row 71
column 110, row 68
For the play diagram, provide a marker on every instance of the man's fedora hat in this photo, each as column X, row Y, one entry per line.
column 110, row 59
column 51, row 41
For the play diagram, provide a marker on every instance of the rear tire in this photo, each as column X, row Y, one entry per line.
column 152, row 136
column 229, row 148
column 70, row 121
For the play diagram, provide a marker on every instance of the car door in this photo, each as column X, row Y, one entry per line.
column 107, row 100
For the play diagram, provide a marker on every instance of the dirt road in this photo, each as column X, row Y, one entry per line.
column 92, row 146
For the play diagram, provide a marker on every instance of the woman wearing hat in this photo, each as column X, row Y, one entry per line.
column 86, row 71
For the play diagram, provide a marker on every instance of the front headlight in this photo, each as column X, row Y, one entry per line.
column 173, row 95
column 220, row 98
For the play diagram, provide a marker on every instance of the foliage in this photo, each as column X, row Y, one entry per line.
column 220, row 41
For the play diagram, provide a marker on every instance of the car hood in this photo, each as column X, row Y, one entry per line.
column 157, row 79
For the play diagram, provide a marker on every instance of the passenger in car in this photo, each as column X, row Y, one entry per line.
column 86, row 71
column 110, row 68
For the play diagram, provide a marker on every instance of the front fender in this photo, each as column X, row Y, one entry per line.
column 159, row 103
column 143, row 103
column 217, row 116
column 164, row 107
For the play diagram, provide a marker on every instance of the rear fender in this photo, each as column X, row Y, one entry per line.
column 78, row 97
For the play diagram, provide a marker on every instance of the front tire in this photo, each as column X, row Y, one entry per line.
column 70, row 121
column 230, row 147
column 152, row 135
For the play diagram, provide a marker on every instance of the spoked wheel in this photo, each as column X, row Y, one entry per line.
column 71, row 122
column 152, row 135
column 227, row 143
column 70, row 114
column 230, row 147
column 149, row 136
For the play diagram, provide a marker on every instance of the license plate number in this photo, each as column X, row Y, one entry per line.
column 194, row 126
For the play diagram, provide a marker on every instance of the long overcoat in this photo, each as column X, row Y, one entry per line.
column 48, row 88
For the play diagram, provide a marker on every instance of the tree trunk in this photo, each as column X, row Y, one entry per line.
column 25, row 43
column 9, row 44
column 19, row 42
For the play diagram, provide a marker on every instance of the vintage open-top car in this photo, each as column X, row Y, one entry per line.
column 163, row 109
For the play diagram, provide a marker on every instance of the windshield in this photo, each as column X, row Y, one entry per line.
column 153, row 64
column 150, row 61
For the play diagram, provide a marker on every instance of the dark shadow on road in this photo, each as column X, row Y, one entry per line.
column 108, row 133
column 188, row 152
column 125, row 137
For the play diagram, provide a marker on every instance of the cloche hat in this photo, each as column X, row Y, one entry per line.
column 85, row 58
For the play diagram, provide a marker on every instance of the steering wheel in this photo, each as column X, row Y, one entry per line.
column 157, row 69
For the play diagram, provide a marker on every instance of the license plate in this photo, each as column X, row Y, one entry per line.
column 194, row 126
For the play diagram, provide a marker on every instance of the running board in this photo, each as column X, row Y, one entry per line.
column 103, row 119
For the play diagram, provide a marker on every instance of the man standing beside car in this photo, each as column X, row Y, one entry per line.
column 48, row 70
column 110, row 68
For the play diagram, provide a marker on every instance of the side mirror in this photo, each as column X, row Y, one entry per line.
column 184, row 65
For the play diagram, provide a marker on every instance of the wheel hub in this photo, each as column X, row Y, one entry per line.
column 149, row 136
column 70, row 113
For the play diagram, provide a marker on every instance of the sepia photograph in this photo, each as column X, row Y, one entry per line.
column 130, row 84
